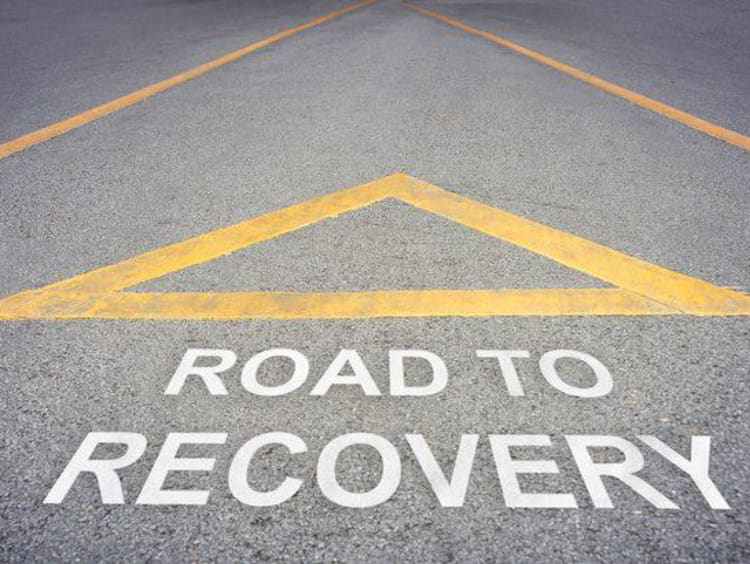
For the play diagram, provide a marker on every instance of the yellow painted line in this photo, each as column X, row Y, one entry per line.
column 641, row 288
column 39, row 136
column 675, row 290
column 731, row 137
column 358, row 305
column 209, row 246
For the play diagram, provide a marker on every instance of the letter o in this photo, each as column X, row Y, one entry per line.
column 603, row 384
column 250, row 373
column 389, row 480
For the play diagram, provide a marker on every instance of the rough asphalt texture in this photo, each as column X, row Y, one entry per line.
column 378, row 91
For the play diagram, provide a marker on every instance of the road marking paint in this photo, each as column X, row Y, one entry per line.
column 731, row 137
column 347, row 305
column 641, row 288
column 39, row 136
column 678, row 291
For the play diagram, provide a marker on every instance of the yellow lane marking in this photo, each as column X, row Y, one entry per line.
column 358, row 305
column 223, row 241
column 731, row 137
column 641, row 288
column 681, row 292
column 34, row 138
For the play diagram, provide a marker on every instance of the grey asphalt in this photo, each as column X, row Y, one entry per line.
column 378, row 91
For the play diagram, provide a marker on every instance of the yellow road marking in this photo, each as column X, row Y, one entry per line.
column 223, row 241
column 353, row 305
column 34, row 138
column 681, row 292
column 641, row 288
column 731, row 137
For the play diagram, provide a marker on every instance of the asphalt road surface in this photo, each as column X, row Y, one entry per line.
column 379, row 90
